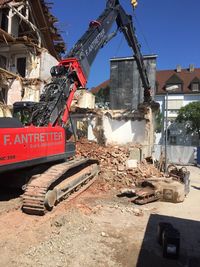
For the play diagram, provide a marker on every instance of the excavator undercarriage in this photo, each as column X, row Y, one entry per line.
column 60, row 181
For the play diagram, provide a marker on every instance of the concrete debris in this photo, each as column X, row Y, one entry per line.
column 104, row 234
column 143, row 183
column 137, row 212
column 113, row 163
column 131, row 163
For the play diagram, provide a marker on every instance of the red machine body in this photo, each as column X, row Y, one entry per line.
column 30, row 145
column 23, row 147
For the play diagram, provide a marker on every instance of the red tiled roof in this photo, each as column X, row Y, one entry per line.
column 185, row 75
column 103, row 85
column 162, row 77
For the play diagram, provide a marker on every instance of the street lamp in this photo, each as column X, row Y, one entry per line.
column 168, row 89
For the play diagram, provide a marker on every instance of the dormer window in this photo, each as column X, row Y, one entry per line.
column 175, row 82
column 195, row 85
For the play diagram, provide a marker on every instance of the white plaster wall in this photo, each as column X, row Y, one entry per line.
column 14, row 92
column 33, row 66
column 91, row 126
column 47, row 61
column 158, row 138
column 123, row 132
column 32, row 92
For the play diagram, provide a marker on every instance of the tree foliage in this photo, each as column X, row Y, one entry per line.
column 158, row 122
column 103, row 96
column 190, row 116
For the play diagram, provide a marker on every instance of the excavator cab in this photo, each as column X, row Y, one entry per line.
column 57, row 71
column 23, row 111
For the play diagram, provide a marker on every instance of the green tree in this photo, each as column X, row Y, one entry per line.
column 103, row 95
column 158, row 122
column 190, row 116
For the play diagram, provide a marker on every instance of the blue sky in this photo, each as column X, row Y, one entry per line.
column 167, row 28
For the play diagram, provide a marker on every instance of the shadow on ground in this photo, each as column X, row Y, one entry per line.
column 9, row 193
column 151, row 252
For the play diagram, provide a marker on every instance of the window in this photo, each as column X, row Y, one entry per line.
column 176, row 82
column 21, row 66
column 3, row 61
column 195, row 87
column 4, row 20
column 3, row 95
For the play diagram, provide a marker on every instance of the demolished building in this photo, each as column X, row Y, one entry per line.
column 30, row 44
column 127, row 120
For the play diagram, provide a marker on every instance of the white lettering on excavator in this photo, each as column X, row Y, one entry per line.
column 6, row 139
column 96, row 43
column 32, row 138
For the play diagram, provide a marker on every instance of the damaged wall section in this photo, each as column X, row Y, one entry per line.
column 30, row 45
column 37, row 74
column 122, row 128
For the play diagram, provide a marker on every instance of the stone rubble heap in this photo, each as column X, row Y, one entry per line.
column 113, row 164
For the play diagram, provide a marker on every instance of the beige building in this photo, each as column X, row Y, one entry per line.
column 30, row 45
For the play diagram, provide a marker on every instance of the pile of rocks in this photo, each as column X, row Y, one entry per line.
column 113, row 163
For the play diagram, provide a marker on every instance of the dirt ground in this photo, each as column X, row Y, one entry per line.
column 99, row 229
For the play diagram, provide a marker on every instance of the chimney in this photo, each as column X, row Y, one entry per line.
column 178, row 68
column 191, row 67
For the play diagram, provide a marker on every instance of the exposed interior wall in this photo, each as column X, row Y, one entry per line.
column 32, row 92
column 47, row 61
column 118, row 131
column 14, row 92
column 37, row 73
column 123, row 132
column 33, row 66
column 25, row 64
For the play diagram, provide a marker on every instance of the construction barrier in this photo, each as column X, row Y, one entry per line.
column 182, row 155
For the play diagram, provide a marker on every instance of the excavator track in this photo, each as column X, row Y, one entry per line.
column 146, row 199
column 61, row 181
column 147, row 195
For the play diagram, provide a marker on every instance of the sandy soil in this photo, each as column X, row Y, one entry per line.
column 99, row 229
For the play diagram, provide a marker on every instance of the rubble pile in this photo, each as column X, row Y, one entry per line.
column 113, row 164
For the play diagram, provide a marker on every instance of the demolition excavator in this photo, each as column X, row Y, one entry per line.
column 36, row 146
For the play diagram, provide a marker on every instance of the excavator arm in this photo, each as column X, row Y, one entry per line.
column 73, row 71
column 98, row 35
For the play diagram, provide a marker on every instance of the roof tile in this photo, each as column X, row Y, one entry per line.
column 185, row 75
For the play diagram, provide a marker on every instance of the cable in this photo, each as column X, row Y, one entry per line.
column 142, row 32
column 119, row 46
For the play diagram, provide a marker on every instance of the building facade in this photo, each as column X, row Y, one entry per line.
column 177, row 88
column 30, row 45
